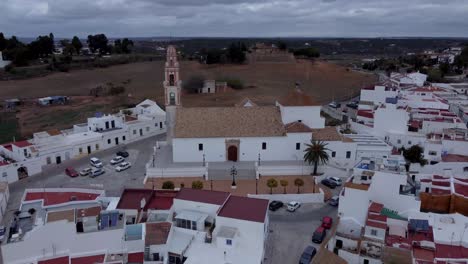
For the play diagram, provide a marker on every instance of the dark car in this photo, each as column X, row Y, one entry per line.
column 353, row 105
column 319, row 235
column 308, row 255
column 71, row 172
column 122, row 153
column 330, row 184
column 275, row 205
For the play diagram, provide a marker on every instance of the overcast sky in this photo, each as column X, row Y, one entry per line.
column 237, row 18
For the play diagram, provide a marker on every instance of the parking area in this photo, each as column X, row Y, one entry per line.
column 113, row 182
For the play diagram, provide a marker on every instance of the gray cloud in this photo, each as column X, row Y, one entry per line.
column 269, row 18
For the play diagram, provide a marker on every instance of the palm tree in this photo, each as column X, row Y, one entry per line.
column 316, row 153
column 284, row 183
column 299, row 183
column 272, row 183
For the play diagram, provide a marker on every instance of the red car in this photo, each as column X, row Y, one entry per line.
column 71, row 172
column 327, row 222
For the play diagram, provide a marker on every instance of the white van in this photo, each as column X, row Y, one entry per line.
column 95, row 162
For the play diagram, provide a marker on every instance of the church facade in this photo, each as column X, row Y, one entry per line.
column 245, row 132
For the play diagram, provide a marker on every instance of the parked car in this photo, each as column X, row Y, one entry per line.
column 327, row 222
column 123, row 166
column 2, row 233
column 71, row 172
column 308, row 254
column 293, row 205
column 97, row 172
column 123, row 153
column 328, row 183
column 275, row 205
column 334, row 105
column 95, row 162
column 335, row 180
column 319, row 235
column 117, row 160
column 353, row 105
column 334, row 201
column 86, row 171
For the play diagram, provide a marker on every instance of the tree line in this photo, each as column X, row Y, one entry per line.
column 43, row 46
column 235, row 53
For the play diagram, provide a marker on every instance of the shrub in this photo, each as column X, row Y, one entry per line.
column 234, row 83
column 168, row 185
column 197, row 185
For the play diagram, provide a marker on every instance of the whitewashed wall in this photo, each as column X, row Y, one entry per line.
column 309, row 115
column 286, row 198
column 378, row 95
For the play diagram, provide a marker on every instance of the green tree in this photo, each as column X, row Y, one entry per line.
column 272, row 183
column 444, row 68
column 282, row 45
column 315, row 153
column 236, row 53
column 415, row 154
column 284, row 184
column 168, row 185
column 76, row 42
column 307, row 52
column 298, row 183
column 434, row 75
column 3, row 42
column 98, row 43
column 127, row 45
column 197, row 185
column 193, row 84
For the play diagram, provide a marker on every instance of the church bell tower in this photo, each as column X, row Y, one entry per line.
column 172, row 83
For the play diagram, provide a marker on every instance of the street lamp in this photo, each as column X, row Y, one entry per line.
column 233, row 174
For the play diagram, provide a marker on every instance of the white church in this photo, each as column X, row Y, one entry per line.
column 245, row 132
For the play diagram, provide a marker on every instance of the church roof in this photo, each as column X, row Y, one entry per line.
column 297, row 127
column 207, row 122
column 297, row 97
column 329, row 134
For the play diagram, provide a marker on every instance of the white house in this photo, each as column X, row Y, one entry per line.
column 378, row 94
column 3, row 63
column 400, row 80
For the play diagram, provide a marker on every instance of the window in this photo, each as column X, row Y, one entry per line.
column 433, row 153
column 4, row 174
column 373, row 232
column 80, row 150
column 160, row 125
column 363, row 178
column 333, row 154
column 348, row 154
column 298, row 146
column 194, row 225
column 97, row 146
column 25, row 152
column 366, row 261
column 264, row 145
column 147, row 129
column 134, row 132
column 409, row 142
column 300, row 121
column 124, row 138
column 108, row 141
column 228, row 242
column 398, row 141
column 200, row 147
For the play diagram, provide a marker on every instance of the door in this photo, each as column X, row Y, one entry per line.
column 116, row 140
column 232, row 153
column 89, row 149
column 113, row 124
column 141, row 131
column 58, row 159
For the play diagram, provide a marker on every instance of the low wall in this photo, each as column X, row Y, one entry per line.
column 175, row 172
column 286, row 170
column 286, row 198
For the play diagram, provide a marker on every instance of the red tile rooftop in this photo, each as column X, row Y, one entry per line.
column 441, row 183
column 376, row 224
column 377, row 217
column 59, row 260
column 88, row 259
column 244, row 208
column 91, row 211
column 54, row 198
column 154, row 199
column 454, row 158
column 451, row 252
column 420, row 254
column 437, row 191
column 202, row 196
column 365, row 113
column 462, row 180
column 375, row 207
column 157, row 233
column 22, row 144
column 461, row 189
column 137, row 257
column 4, row 163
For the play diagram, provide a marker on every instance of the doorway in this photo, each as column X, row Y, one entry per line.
column 89, row 150
column 116, row 140
column 232, row 153
column 58, row 159
column 22, row 173
column 141, row 131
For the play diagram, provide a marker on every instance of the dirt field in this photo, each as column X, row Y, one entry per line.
column 264, row 83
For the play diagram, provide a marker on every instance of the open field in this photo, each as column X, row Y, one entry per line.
column 264, row 82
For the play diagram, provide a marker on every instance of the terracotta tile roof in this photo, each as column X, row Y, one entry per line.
column 375, row 207
column 244, row 208
column 53, row 198
column 297, row 127
column 157, row 233
column 136, row 257
column 451, row 252
column 22, row 144
column 207, row 122
column 376, row 224
column 54, row 132
column 377, row 217
column 297, row 97
column 203, row 196
column 88, row 259
column 356, row 186
column 326, row 134
column 59, row 260
column 130, row 118
column 454, row 158
column 155, row 199
column 68, row 215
